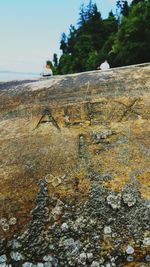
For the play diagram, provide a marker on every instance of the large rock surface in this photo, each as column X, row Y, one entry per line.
column 75, row 170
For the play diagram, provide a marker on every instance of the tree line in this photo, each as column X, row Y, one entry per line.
column 122, row 38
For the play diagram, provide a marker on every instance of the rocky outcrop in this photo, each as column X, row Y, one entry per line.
column 75, row 170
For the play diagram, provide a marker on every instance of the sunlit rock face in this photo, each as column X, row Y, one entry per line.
column 75, row 170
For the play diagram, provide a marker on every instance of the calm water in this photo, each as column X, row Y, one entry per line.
column 10, row 76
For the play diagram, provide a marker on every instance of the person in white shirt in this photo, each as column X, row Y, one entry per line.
column 104, row 66
column 47, row 71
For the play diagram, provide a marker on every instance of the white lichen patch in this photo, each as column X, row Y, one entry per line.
column 129, row 250
column 3, row 258
column 146, row 241
column 16, row 256
column 114, row 201
column 12, row 221
column 107, row 230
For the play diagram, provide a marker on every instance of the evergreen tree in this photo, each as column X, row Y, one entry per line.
column 125, row 9
column 85, row 42
column 132, row 42
column 55, row 60
column 123, row 40
column 122, row 8
column 63, row 43
column 134, row 2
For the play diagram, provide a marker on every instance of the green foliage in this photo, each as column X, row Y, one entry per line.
column 81, row 49
column 65, row 64
column 63, row 43
column 122, row 8
column 122, row 40
column 132, row 41
column 55, row 60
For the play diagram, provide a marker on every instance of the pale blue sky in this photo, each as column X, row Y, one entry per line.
column 30, row 30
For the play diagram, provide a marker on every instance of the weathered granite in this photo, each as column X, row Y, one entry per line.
column 75, row 170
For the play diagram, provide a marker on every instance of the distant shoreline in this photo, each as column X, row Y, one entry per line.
column 7, row 76
column 5, row 85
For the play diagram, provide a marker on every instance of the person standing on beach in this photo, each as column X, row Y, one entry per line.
column 47, row 71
